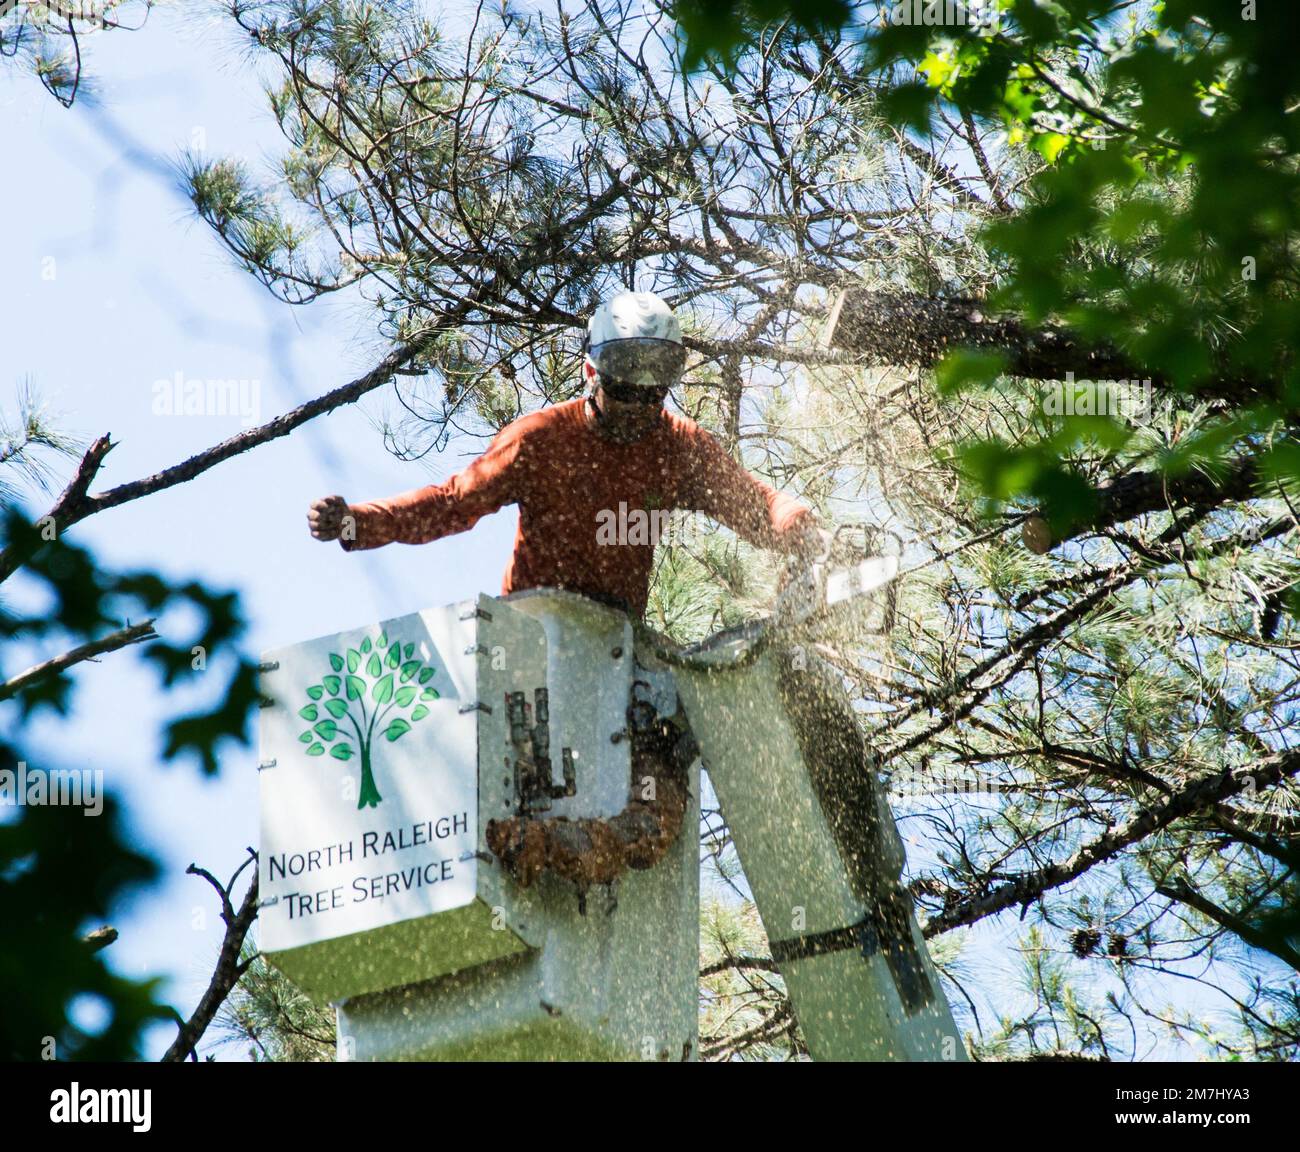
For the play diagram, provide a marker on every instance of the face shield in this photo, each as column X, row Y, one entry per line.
column 641, row 361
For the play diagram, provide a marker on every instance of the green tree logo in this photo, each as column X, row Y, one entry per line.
column 387, row 676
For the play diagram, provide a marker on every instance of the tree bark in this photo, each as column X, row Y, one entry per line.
column 908, row 329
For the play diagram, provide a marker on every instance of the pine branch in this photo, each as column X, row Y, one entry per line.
column 782, row 1023
column 1203, row 792
column 1181, row 892
column 758, row 963
column 1137, row 493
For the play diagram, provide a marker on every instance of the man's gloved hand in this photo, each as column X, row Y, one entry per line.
column 326, row 517
column 814, row 544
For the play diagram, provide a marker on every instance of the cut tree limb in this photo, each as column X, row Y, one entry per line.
column 908, row 329
column 1138, row 493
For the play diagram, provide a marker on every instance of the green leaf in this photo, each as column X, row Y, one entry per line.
column 316, row 750
column 963, row 367
column 354, row 659
column 404, row 696
column 408, row 650
column 420, row 712
column 1281, row 462
column 429, row 694
column 308, row 713
column 1067, row 499
column 383, row 640
column 409, row 669
column 327, row 729
column 336, row 708
column 1100, row 430
column 395, row 655
column 1001, row 471
column 383, row 690
column 336, row 662
column 1207, row 446
column 341, row 751
column 306, row 737
column 374, row 668
column 315, row 691
column 365, row 644
column 397, row 728
column 332, row 685
column 426, row 675
column 938, row 68
column 908, row 105
column 1048, row 145
column 356, row 687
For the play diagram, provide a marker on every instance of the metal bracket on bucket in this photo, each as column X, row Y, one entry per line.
column 534, row 784
column 884, row 931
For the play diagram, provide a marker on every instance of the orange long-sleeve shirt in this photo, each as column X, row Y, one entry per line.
column 569, row 482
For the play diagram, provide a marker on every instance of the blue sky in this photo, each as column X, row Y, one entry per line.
column 142, row 291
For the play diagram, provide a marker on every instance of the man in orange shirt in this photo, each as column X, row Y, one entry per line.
column 581, row 466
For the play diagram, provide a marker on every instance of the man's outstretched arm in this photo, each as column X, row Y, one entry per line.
column 724, row 489
column 428, row 513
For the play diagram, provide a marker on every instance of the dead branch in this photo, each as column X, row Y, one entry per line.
column 131, row 634
column 229, row 969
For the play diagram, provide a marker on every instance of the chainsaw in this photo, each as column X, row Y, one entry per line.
column 842, row 581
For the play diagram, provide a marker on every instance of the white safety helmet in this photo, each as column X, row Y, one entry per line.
column 634, row 338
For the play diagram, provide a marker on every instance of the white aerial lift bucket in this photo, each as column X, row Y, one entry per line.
column 378, row 892
column 811, row 825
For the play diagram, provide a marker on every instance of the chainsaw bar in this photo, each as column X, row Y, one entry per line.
column 819, row 591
